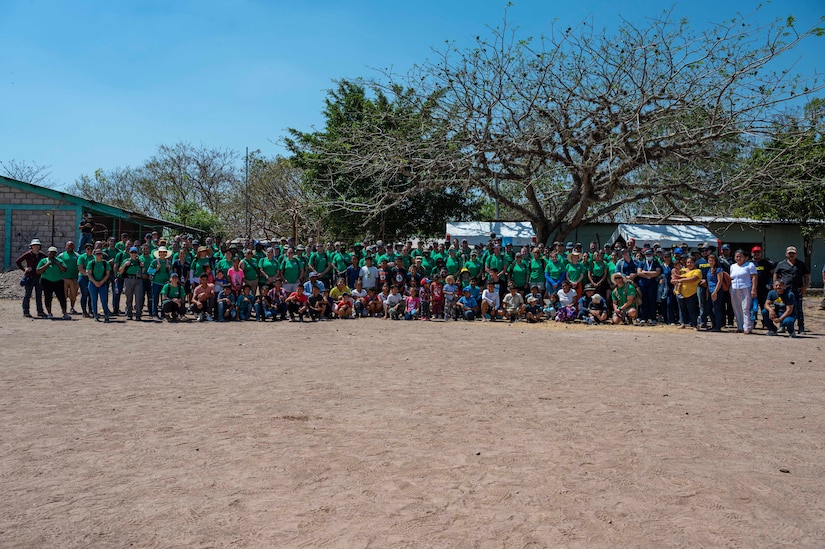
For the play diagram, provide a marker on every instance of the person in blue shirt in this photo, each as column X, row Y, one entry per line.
column 779, row 307
column 313, row 282
column 245, row 302
column 467, row 305
column 702, row 263
column 226, row 304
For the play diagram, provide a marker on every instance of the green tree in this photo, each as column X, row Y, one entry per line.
column 790, row 168
column 565, row 129
column 383, row 199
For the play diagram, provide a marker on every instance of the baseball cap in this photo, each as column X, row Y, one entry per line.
column 756, row 249
column 790, row 249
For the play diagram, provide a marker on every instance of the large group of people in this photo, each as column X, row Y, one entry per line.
column 170, row 278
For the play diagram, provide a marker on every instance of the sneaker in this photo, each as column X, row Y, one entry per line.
column 27, row 315
column 771, row 332
column 209, row 318
column 201, row 317
column 42, row 315
column 66, row 316
column 50, row 316
column 652, row 323
column 72, row 311
column 782, row 329
column 642, row 322
column 793, row 335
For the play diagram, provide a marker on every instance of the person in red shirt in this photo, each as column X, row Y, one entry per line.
column 297, row 302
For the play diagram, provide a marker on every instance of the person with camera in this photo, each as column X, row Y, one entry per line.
column 50, row 269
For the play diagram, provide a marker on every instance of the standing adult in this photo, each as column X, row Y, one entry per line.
column 51, row 269
column 797, row 278
column 99, row 272
column 70, row 285
column 131, row 271
column 742, row 290
column 31, row 280
column 647, row 274
column 85, row 227
column 764, row 280
column 83, row 279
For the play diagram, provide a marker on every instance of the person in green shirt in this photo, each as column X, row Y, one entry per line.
column 537, row 267
column 575, row 272
column 290, row 271
column 131, row 272
column 554, row 271
column 99, row 272
column 51, row 269
column 319, row 262
column 473, row 266
column 70, row 285
column 173, row 299
column 159, row 269
column 83, row 280
column 598, row 273
column 251, row 272
column 624, row 300
column 453, row 262
column 519, row 273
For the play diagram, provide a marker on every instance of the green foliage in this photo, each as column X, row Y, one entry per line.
column 190, row 214
column 790, row 172
column 375, row 192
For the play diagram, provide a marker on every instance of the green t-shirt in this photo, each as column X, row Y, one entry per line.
column 250, row 269
column 319, row 261
column 575, row 272
column 269, row 267
column 340, row 261
column 172, row 292
column 494, row 262
column 97, row 269
column 555, row 269
column 52, row 272
column 473, row 267
column 198, row 264
column 519, row 271
column 163, row 268
column 536, row 270
column 134, row 268
column 453, row 265
column 223, row 265
column 621, row 295
column 70, row 261
column 84, row 259
column 291, row 269
column 597, row 270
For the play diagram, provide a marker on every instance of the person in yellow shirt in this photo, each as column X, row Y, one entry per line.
column 688, row 285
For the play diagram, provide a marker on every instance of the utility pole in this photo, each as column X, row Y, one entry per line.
column 246, row 193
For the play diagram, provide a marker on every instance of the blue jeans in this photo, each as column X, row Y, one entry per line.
column 716, row 318
column 101, row 293
column 222, row 308
column 245, row 311
column 85, row 298
column 156, row 289
column 703, row 300
column 787, row 323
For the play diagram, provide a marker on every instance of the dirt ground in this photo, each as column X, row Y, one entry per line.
column 372, row 433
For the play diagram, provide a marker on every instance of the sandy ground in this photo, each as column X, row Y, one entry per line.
column 370, row 433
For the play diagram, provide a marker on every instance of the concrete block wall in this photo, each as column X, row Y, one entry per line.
column 3, row 267
column 10, row 195
column 29, row 224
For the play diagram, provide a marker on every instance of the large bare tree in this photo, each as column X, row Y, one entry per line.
column 573, row 126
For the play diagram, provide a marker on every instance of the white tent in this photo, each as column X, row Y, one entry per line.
column 665, row 235
column 517, row 233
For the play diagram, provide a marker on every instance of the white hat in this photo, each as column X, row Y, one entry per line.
column 35, row 242
column 156, row 253
column 52, row 249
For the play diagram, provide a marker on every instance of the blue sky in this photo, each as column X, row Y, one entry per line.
column 94, row 84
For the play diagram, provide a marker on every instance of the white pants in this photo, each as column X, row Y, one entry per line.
column 741, row 301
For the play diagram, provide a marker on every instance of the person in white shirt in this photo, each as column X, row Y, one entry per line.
column 491, row 303
column 567, row 295
column 742, row 290
column 368, row 275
